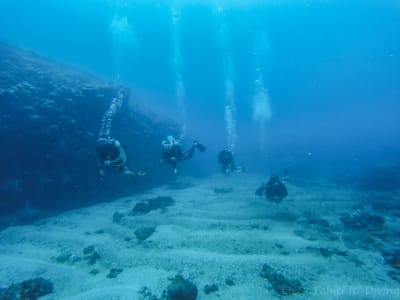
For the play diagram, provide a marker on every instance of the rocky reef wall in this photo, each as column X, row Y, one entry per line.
column 50, row 116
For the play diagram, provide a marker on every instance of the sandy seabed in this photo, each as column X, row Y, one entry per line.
column 222, row 238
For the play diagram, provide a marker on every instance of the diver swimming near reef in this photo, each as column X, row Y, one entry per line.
column 111, row 154
column 275, row 190
column 109, row 151
column 172, row 151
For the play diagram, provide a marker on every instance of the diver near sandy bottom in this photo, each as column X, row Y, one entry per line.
column 227, row 162
column 172, row 151
column 111, row 154
column 275, row 190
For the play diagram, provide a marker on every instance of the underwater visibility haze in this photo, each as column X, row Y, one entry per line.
column 304, row 94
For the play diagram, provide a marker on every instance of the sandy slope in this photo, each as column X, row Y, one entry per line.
column 205, row 236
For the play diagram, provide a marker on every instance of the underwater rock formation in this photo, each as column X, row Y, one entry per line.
column 50, row 117
column 181, row 289
column 162, row 202
column 31, row 289
column 280, row 283
column 143, row 233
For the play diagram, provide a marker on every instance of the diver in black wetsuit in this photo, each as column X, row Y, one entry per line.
column 227, row 162
column 110, row 154
column 172, row 151
column 275, row 190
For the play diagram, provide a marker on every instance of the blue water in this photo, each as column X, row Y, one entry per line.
column 330, row 69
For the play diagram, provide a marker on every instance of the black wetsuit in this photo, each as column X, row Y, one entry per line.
column 107, row 150
column 275, row 190
column 174, row 154
column 226, row 160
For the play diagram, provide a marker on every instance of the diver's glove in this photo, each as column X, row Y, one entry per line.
column 140, row 173
column 199, row 146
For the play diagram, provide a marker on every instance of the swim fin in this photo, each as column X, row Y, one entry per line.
column 201, row 147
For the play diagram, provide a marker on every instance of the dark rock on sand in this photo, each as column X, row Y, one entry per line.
column 94, row 272
column 31, row 289
column 63, row 257
column 90, row 255
column 160, row 202
column 229, row 281
column 210, row 288
column 181, row 289
column 145, row 293
column 88, row 249
column 144, row 233
column 117, row 217
column 114, row 272
column 280, row 283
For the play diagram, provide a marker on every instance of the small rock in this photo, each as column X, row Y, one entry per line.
column 144, row 233
column 152, row 204
column 30, row 289
column 181, row 289
column 114, row 272
column 88, row 249
column 146, row 294
column 210, row 288
column 63, row 257
column 141, row 208
column 229, row 281
column 91, row 255
column 280, row 283
column 117, row 217
column 94, row 272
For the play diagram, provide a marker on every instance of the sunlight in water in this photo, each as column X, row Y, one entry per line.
column 124, row 41
column 178, row 69
column 228, row 72
column 262, row 111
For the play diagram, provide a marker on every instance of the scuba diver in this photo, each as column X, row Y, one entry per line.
column 227, row 162
column 275, row 190
column 172, row 151
column 110, row 154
